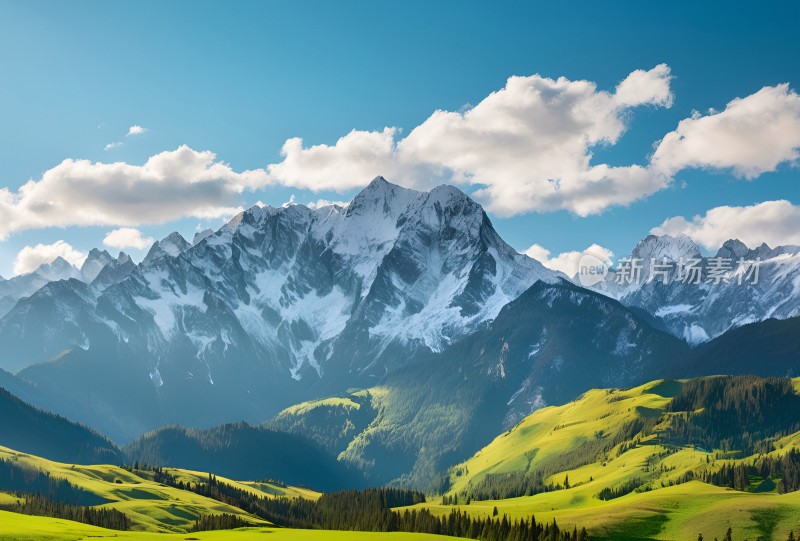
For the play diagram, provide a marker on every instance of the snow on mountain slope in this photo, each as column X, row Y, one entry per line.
column 748, row 285
column 115, row 271
column 94, row 263
column 15, row 288
column 171, row 246
column 403, row 266
column 332, row 296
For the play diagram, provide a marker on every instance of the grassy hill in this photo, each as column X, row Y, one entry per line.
column 622, row 462
column 150, row 505
column 14, row 527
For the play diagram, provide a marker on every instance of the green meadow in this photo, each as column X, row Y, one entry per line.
column 14, row 527
column 664, row 506
column 607, row 461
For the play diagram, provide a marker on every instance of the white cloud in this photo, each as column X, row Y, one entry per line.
column 773, row 222
column 753, row 135
column 527, row 146
column 355, row 159
column 31, row 257
column 136, row 130
column 112, row 146
column 567, row 262
column 127, row 237
column 319, row 203
column 169, row 186
column 646, row 87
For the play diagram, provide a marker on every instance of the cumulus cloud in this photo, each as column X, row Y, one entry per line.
column 112, row 146
column 127, row 237
column 527, row 147
column 31, row 257
column 355, row 159
column 752, row 136
column 774, row 222
column 169, row 186
column 136, row 130
column 319, row 203
column 567, row 262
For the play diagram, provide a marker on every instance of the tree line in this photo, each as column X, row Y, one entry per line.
column 741, row 413
column 609, row 493
column 18, row 477
column 35, row 504
column 785, row 468
column 370, row 510
column 225, row 521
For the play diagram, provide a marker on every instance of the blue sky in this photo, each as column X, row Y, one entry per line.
column 240, row 79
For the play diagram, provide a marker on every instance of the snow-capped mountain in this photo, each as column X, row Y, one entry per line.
column 705, row 296
column 332, row 296
column 171, row 246
column 200, row 235
column 15, row 288
column 94, row 263
column 114, row 271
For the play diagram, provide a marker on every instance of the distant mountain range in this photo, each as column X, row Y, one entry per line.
column 748, row 285
column 402, row 318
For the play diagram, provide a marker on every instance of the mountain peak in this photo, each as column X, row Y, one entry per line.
column 94, row 263
column 96, row 253
column 733, row 249
column 379, row 182
column 170, row 246
column 58, row 269
column 174, row 238
column 675, row 248
column 200, row 235
column 382, row 197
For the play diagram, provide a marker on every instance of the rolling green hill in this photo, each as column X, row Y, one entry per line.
column 151, row 506
column 15, row 527
column 627, row 463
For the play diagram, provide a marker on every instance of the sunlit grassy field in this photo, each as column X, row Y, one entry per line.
column 151, row 506
column 664, row 507
column 673, row 513
column 14, row 527
column 665, row 510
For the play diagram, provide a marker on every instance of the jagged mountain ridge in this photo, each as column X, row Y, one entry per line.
column 17, row 287
column 335, row 296
column 699, row 312
column 99, row 269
